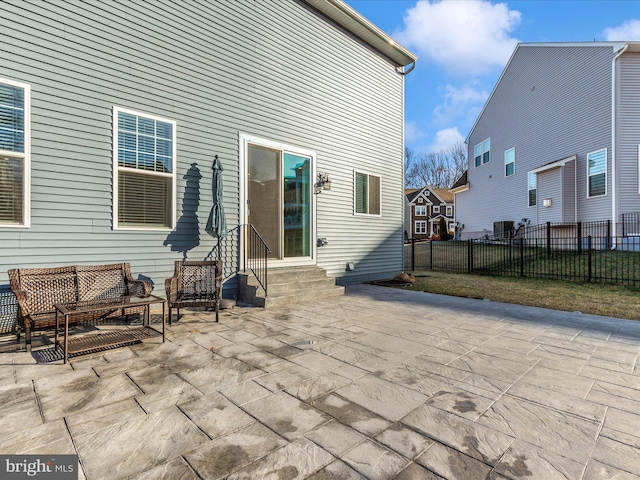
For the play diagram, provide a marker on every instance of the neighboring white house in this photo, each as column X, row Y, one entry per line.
column 557, row 140
column 111, row 114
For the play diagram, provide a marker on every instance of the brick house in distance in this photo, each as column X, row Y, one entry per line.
column 425, row 208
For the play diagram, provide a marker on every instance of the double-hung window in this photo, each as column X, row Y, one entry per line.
column 597, row 173
column 449, row 211
column 481, row 152
column 145, row 158
column 420, row 227
column 533, row 189
column 421, row 210
column 367, row 194
column 15, row 153
column 509, row 162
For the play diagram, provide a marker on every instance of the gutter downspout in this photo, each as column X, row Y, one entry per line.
column 402, row 72
column 614, row 190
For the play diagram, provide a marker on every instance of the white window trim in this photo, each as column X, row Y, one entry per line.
column 422, row 208
column 505, row 162
column 529, row 189
column 117, row 168
column 436, row 209
column 482, row 152
column 357, row 214
column 422, row 223
column 449, row 211
column 606, row 167
column 26, row 156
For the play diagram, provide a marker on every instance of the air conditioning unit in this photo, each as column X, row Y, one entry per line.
column 502, row 229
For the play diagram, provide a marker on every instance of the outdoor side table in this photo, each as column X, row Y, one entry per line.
column 125, row 336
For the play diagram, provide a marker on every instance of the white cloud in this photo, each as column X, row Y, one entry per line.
column 629, row 30
column 445, row 139
column 460, row 103
column 412, row 132
column 465, row 37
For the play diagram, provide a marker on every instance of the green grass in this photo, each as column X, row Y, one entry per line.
column 600, row 266
column 596, row 299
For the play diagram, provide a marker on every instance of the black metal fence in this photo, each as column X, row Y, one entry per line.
column 556, row 254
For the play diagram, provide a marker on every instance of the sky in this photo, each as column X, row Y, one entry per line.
column 464, row 45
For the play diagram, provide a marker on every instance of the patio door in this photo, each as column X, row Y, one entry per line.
column 279, row 200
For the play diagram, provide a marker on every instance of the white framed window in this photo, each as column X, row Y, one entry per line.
column 420, row 200
column 532, row 188
column 144, row 163
column 436, row 209
column 510, row 162
column 421, row 210
column 420, row 227
column 366, row 193
column 449, row 211
column 481, row 152
column 15, row 154
column 597, row 173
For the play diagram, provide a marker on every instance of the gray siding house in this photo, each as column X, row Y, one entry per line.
column 557, row 140
column 112, row 113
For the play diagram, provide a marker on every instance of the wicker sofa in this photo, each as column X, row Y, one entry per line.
column 38, row 289
column 195, row 284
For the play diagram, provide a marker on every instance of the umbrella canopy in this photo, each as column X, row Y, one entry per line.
column 217, row 224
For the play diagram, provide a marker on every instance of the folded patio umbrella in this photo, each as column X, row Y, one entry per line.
column 217, row 224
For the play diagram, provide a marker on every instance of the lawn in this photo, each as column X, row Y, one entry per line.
column 597, row 299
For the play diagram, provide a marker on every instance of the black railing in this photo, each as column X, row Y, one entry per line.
column 256, row 253
column 630, row 224
column 594, row 259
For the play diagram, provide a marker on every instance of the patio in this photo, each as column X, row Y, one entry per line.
column 379, row 384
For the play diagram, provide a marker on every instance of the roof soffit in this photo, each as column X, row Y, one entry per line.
column 352, row 21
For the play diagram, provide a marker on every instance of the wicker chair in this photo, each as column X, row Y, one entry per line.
column 195, row 284
column 37, row 290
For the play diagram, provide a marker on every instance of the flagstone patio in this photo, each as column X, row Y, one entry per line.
column 379, row 384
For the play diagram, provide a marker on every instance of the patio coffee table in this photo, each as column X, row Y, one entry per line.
column 125, row 336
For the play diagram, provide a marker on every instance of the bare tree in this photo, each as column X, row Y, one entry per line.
column 435, row 169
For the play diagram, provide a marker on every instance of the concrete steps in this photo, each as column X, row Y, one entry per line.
column 288, row 285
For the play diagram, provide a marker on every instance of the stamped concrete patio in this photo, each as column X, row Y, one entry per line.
column 379, row 384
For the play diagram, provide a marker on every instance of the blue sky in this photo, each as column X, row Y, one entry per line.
column 463, row 46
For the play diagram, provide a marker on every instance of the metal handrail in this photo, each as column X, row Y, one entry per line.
column 256, row 254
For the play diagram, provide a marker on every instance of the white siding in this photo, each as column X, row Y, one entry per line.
column 278, row 70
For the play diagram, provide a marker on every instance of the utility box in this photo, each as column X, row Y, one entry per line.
column 502, row 229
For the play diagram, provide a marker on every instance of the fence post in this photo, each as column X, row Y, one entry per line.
column 413, row 254
column 522, row 257
column 431, row 254
column 470, row 256
column 548, row 239
column 579, row 238
column 609, row 243
column 589, row 257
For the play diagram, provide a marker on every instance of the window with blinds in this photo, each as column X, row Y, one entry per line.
column 145, row 166
column 14, row 153
column 597, row 173
column 367, row 194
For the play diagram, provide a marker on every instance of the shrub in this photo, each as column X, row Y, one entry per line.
column 442, row 227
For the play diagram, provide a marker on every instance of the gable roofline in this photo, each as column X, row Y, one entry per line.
column 352, row 21
column 616, row 46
